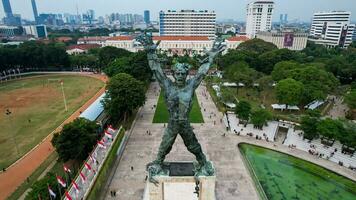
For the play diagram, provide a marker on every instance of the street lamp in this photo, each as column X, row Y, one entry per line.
column 8, row 113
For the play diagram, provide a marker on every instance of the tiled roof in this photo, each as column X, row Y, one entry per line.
column 83, row 46
column 121, row 38
column 94, row 38
column 238, row 38
column 184, row 38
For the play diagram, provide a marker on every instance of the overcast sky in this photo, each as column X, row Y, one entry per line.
column 225, row 9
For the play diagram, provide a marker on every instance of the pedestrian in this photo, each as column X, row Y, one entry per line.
column 164, row 125
column 111, row 193
column 132, row 168
column 214, row 122
column 149, row 132
column 3, row 169
column 146, row 178
column 114, row 193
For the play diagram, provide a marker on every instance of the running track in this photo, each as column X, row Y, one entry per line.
column 16, row 174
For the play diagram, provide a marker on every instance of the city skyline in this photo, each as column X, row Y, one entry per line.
column 231, row 9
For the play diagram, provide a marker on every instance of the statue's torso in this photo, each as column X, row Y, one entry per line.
column 179, row 103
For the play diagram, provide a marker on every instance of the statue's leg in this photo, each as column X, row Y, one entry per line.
column 167, row 142
column 192, row 144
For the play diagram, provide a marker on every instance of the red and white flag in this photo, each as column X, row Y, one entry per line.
column 111, row 129
column 101, row 144
column 51, row 192
column 92, row 158
column 82, row 177
column 75, row 187
column 87, row 166
column 68, row 197
column 66, row 169
column 61, row 181
column 109, row 135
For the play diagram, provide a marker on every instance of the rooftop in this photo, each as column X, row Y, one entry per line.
column 238, row 38
column 182, row 38
column 83, row 46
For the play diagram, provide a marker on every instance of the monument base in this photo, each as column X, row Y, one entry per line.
column 180, row 184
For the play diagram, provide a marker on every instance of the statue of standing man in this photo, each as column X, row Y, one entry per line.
column 178, row 97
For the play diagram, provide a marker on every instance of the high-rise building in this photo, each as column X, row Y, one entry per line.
column 259, row 17
column 7, row 8
column 285, row 18
column 34, row 8
column 332, row 29
column 146, row 16
column 187, row 23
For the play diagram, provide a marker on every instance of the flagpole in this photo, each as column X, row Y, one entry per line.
column 59, row 187
column 50, row 196
column 64, row 97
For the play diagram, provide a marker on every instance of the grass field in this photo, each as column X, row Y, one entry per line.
column 162, row 115
column 37, row 108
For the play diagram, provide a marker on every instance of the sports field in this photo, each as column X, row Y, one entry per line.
column 162, row 115
column 37, row 108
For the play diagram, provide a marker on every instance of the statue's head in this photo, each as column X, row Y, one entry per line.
column 180, row 73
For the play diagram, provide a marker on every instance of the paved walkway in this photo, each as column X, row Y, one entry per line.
column 17, row 173
column 233, row 180
column 339, row 108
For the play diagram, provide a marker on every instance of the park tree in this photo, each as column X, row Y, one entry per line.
column 350, row 99
column 265, row 83
column 267, row 60
column 240, row 72
column 282, row 70
column 256, row 46
column 76, row 140
column 124, row 95
column 289, row 91
column 309, row 124
column 330, row 129
column 348, row 137
column 243, row 111
column 136, row 65
column 260, row 117
column 227, row 95
column 39, row 190
column 108, row 54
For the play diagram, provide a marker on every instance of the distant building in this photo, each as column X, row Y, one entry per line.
column 285, row 39
column 38, row 31
column 259, row 17
column 332, row 29
column 234, row 42
column 80, row 48
column 174, row 45
column 34, row 8
column 187, row 23
column 10, row 31
column 100, row 40
column 146, row 16
column 354, row 35
column 10, row 19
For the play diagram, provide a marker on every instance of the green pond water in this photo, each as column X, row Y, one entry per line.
column 286, row 177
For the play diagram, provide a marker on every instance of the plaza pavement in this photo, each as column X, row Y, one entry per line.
column 233, row 179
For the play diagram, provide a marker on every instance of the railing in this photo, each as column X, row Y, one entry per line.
column 91, row 175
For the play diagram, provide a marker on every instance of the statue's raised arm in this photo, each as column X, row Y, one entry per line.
column 153, row 60
column 218, row 47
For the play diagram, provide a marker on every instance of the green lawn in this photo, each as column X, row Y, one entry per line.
column 37, row 109
column 162, row 115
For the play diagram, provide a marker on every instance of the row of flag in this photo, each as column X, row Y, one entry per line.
column 92, row 158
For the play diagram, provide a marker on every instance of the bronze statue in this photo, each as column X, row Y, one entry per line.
column 178, row 98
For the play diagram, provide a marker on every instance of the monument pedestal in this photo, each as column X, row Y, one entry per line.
column 180, row 184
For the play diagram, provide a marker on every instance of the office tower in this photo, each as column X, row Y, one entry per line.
column 281, row 18
column 259, row 17
column 146, row 15
column 332, row 29
column 7, row 8
column 285, row 18
column 34, row 8
column 187, row 23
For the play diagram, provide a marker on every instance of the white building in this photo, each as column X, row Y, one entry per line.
column 123, row 42
column 259, row 17
column 285, row 39
column 332, row 29
column 80, row 48
column 171, row 45
column 187, row 23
